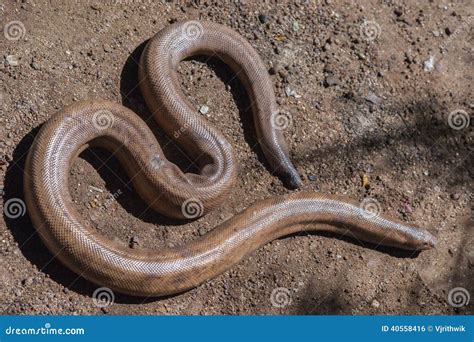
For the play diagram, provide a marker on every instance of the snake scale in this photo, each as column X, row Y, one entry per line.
column 170, row 191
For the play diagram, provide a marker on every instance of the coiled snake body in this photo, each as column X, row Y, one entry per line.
column 173, row 193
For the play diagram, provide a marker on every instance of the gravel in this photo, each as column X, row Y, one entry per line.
column 365, row 100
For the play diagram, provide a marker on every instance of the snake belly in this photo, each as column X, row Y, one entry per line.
column 167, row 189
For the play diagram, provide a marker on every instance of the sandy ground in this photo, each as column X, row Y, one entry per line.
column 377, row 90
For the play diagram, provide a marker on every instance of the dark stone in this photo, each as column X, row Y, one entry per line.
column 263, row 18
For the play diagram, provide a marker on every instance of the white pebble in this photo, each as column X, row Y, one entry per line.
column 429, row 64
column 12, row 60
column 204, row 109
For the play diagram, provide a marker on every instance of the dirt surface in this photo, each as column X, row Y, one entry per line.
column 380, row 97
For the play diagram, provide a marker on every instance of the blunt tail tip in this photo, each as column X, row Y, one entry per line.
column 291, row 180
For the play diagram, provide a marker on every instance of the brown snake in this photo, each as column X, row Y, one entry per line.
column 168, row 190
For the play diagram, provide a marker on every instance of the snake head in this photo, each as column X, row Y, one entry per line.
column 425, row 240
column 409, row 237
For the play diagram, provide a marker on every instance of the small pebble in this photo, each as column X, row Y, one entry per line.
column 372, row 98
column 455, row 196
column 312, row 178
column 263, row 18
column 95, row 189
column 398, row 12
column 407, row 208
column 276, row 68
column 365, row 181
column 35, row 65
column 27, row 281
column 296, row 26
column 331, row 80
column 375, row 303
column 12, row 60
column 107, row 48
column 204, row 109
column 134, row 241
column 291, row 92
column 428, row 65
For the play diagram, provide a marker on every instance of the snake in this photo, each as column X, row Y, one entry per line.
column 175, row 193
